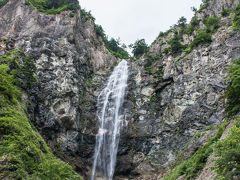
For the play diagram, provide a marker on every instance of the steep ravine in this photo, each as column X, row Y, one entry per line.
column 174, row 100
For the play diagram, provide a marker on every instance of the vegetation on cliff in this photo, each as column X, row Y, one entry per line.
column 236, row 20
column 113, row 45
column 139, row 47
column 233, row 90
column 227, row 151
column 3, row 2
column 54, row 7
column 23, row 152
column 190, row 168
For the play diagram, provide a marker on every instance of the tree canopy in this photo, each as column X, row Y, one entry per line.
column 139, row 47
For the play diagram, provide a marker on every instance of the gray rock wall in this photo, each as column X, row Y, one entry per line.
column 71, row 63
column 171, row 115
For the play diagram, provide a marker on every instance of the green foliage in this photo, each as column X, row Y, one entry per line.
column 3, row 2
column 233, row 90
column 139, row 47
column 21, row 66
column 182, row 21
column 52, row 7
column 7, row 81
column 112, row 45
column 202, row 37
column 211, row 23
column 71, row 14
column 175, row 45
column 87, row 14
column 227, row 165
column 161, row 34
column 204, row 5
column 225, row 12
column 191, row 167
column 149, row 66
column 236, row 19
column 194, row 22
column 166, row 50
column 99, row 31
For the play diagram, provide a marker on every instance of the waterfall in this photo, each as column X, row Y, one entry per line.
column 110, row 119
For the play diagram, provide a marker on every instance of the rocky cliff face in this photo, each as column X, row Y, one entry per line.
column 176, row 99
column 67, row 53
column 172, row 100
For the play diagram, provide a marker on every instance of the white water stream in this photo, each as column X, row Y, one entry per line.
column 111, row 119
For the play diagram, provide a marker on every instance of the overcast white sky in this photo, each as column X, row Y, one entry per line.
column 136, row 19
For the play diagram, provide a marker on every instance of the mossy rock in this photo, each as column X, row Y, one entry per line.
column 23, row 152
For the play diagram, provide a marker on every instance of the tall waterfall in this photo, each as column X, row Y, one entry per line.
column 111, row 119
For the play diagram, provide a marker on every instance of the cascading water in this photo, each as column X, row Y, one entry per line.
column 111, row 119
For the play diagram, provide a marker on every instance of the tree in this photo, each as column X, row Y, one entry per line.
column 194, row 9
column 182, row 21
column 139, row 47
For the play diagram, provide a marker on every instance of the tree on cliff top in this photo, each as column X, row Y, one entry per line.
column 139, row 47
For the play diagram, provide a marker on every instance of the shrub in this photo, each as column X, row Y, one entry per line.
column 227, row 165
column 202, row 37
column 204, row 5
column 175, row 45
column 161, row 34
column 166, row 50
column 225, row 12
column 233, row 90
column 99, row 31
column 3, row 2
column 21, row 66
column 236, row 19
column 87, row 14
column 195, row 21
column 71, row 14
column 211, row 23
column 7, row 82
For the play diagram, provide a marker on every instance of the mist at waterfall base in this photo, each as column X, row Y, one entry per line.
column 111, row 119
